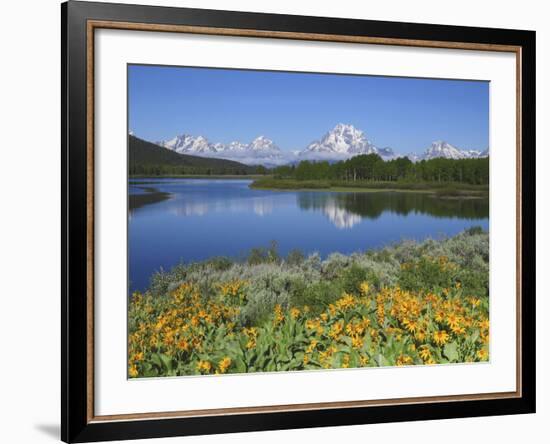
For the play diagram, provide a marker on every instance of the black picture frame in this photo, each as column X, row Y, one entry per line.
column 76, row 325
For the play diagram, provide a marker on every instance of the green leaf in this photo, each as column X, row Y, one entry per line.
column 240, row 366
column 450, row 351
column 382, row 361
column 155, row 358
column 167, row 362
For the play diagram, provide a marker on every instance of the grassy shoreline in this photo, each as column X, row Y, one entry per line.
column 442, row 189
column 196, row 176
column 261, row 182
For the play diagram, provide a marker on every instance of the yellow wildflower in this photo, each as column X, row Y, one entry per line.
column 404, row 360
column 183, row 345
column 420, row 334
column 440, row 337
column 357, row 342
column 410, row 325
column 453, row 320
column 279, row 316
column 133, row 371
column 483, row 323
column 380, row 313
column 346, row 302
column 312, row 346
column 204, row 366
column 458, row 330
column 224, row 364
column 345, row 361
column 336, row 330
column 424, row 352
column 474, row 302
column 439, row 316
column 483, row 354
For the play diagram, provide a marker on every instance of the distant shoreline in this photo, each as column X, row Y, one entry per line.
column 196, row 176
column 267, row 183
column 441, row 189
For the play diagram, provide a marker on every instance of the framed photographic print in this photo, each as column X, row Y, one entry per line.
column 275, row 221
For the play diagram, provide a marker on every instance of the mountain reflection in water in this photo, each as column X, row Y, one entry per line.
column 348, row 209
column 187, row 220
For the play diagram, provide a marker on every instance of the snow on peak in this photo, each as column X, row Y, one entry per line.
column 340, row 143
column 260, row 151
column 440, row 148
column 262, row 143
column 344, row 141
column 186, row 143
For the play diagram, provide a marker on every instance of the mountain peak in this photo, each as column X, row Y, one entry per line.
column 260, row 150
column 262, row 143
column 345, row 127
column 186, row 143
column 441, row 148
column 342, row 142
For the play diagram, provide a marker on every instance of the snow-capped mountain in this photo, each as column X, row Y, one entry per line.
column 440, row 148
column 260, row 151
column 342, row 142
column 187, row 144
column 263, row 144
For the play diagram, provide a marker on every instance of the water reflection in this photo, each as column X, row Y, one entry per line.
column 188, row 220
column 348, row 209
column 338, row 215
column 141, row 196
column 344, row 210
column 190, row 207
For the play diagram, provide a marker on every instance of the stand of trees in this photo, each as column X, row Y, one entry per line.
column 371, row 167
column 168, row 170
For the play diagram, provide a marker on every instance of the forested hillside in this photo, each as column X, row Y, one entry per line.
column 148, row 159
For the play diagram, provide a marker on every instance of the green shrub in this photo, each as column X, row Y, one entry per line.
column 427, row 273
column 317, row 296
column 295, row 257
column 472, row 231
column 264, row 255
column 297, row 280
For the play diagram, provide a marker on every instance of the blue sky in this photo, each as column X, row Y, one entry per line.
column 294, row 109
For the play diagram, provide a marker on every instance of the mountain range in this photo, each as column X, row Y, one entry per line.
column 340, row 143
column 146, row 158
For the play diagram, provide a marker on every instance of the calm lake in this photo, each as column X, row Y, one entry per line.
column 188, row 220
